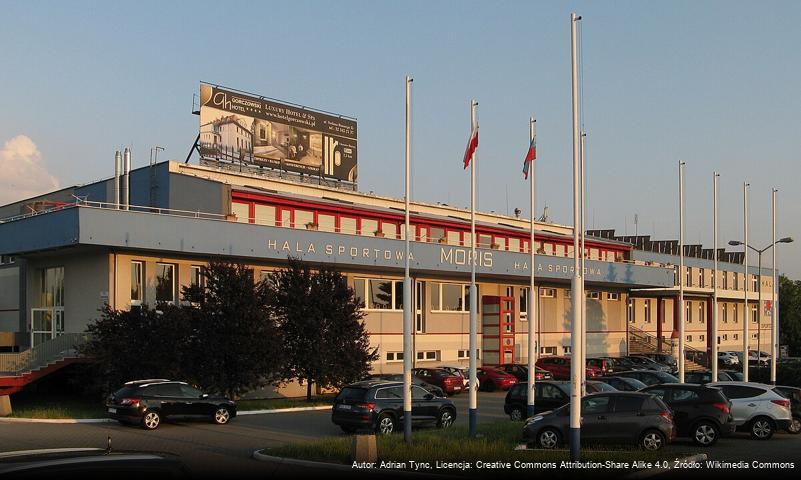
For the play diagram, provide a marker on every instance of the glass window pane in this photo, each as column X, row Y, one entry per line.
column 390, row 230
column 136, row 283
column 452, row 298
column 380, row 294
column 265, row 215
column 347, row 225
column 398, row 295
column 358, row 289
column 326, row 223
column 165, row 282
column 303, row 217
column 241, row 210
column 286, row 218
column 484, row 241
column 437, row 234
column 514, row 244
column 369, row 227
column 454, row 238
column 422, row 233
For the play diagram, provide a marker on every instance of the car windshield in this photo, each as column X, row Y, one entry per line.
column 600, row 387
column 634, row 383
column 124, row 392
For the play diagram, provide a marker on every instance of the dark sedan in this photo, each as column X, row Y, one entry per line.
column 521, row 372
column 617, row 417
column 147, row 402
column 548, row 395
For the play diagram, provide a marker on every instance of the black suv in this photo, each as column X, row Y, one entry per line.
column 548, row 395
column 147, row 402
column 699, row 412
column 378, row 405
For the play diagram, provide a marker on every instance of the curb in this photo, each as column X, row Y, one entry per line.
column 109, row 420
column 279, row 462
column 700, row 457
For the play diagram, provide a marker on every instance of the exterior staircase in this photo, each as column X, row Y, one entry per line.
column 641, row 341
column 20, row 369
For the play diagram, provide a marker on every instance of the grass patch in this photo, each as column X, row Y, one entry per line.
column 277, row 403
column 53, row 406
column 452, row 445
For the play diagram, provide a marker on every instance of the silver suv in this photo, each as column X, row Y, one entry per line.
column 756, row 408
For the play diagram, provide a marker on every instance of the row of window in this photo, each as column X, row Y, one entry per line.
column 166, row 282
column 688, row 312
column 7, row 259
column 292, row 217
column 701, row 274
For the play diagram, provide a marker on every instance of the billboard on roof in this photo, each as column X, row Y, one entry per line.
column 241, row 128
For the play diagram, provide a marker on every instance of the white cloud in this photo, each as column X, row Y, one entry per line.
column 22, row 172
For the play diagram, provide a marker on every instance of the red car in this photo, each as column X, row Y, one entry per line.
column 449, row 383
column 491, row 378
column 560, row 367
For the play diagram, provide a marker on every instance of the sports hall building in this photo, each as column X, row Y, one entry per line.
column 67, row 253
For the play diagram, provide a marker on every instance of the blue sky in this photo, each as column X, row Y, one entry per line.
column 715, row 84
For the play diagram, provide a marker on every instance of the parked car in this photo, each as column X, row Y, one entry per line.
column 648, row 364
column 663, row 358
column 148, row 402
column 377, row 405
column 617, row 417
column 700, row 412
column 398, row 377
column 620, row 364
column 705, row 376
column 521, row 372
column 90, row 463
column 758, row 357
column 728, row 359
column 460, row 371
column 448, row 382
column 494, row 378
column 649, row 377
column 624, row 384
column 736, row 375
column 756, row 408
column 794, row 395
column 548, row 395
column 559, row 366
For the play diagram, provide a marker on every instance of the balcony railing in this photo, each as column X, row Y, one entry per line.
column 40, row 356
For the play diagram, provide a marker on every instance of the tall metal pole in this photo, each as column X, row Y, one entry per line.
column 575, row 284
column 532, row 289
column 759, row 312
column 583, row 257
column 774, row 320
column 407, row 282
column 680, row 305
column 746, row 316
column 714, row 353
column 473, row 413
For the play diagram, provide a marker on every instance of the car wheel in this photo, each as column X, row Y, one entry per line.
column 151, row 420
column 446, row 418
column 548, row 438
column 516, row 414
column 222, row 415
column 705, row 434
column 795, row 426
column 652, row 440
column 386, row 424
column 762, row 428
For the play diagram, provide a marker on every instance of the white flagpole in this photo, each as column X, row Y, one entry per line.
column 713, row 360
column 473, row 407
column 746, row 316
column 575, row 285
column 682, row 275
column 407, row 283
column 583, row 258
column 774, row 319
column 532, row 289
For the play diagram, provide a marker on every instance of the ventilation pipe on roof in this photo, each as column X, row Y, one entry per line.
column 126, row 178
column 117, row 175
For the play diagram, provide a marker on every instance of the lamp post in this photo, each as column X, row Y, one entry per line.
column 759, row 252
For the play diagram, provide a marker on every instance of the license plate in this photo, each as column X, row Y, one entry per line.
column 112, row 410
column 343, row 407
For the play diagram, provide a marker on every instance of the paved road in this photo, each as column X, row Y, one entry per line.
column 210, row 449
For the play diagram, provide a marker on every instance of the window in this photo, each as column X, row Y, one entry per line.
column 594, row 405
column 484, row 241
column 189, row 392
column 379, row 293
column 567, row 349
column 454, row 238
column 701, row 277
column 347, row 225
column 524, row 303
column 451, row 297
column 197, row 279
column 428, row 356
column 734, row 310
column 689, row 277
column 394, row 356
column 390, row 230
column 627, row 404
column 548, row 292
column 701, row 312
column 593, row 295
column 725, row 336
column 165, row 283
column 326, row 223
column 465, row 354
column 689, row 338
column 724, row 314
column 630, row 310
column 265, row 275
column 725, row 278
column 701, row 338
column 754, row 314
column 736, row 280
column 549, row 392
column 754, row 283
column 548, row 350
column 437, row 234
column 613, row 296
column 567, row 293
column 514, row 244
column 680, row 395
column 736, row 336
column 242, row 211
column 647, row 310
column 265, row 214
column 688, row 312
column 137, row 278
column 389, row 393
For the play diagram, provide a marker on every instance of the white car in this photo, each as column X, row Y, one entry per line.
column 461, row 372
column 728, row 358
column 756, row 408
column 762, row 357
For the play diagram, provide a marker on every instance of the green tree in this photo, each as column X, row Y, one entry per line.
column 141, row 343
column 236, row 345
column 320, row 319
column 790, row 314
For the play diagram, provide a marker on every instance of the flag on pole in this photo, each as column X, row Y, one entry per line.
column 531, row 155
column 472, row 144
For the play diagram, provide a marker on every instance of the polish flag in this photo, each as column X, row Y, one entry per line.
column 472, row 144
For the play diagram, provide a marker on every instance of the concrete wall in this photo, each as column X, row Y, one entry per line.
column 9, row 298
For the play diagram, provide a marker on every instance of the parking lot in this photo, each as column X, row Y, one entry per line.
column 209, row 448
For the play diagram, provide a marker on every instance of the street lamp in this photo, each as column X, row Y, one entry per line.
column 759, row 252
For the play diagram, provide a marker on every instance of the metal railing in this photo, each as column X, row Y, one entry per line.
column 648, row 340
column 40, row 356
